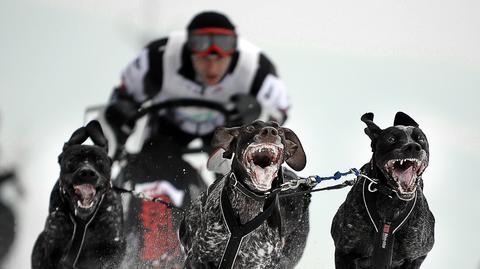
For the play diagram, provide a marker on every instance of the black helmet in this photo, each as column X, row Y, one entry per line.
column 210, row 19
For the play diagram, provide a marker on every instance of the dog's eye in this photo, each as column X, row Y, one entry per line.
column 101, row 163
column 69, row 166
column 391, row 139
column 249, row 128
column 280, row 131
column 420, row 139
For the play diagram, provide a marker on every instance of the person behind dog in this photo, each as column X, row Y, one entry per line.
column 207, row 61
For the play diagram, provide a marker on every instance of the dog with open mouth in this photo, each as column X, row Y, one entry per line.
column 84, row 228
column 385, row 221
column 241, row 221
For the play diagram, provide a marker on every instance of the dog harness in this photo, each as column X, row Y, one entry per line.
column 237, row 230
column 385, row 228
column 78, row 237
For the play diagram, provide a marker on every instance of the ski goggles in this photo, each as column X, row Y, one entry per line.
column 212, row 40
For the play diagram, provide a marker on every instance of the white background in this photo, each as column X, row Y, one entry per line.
column 339, row 60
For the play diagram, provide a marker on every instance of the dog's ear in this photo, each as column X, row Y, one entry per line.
column 372, row 129
column 95, row 132
column 403, row 119
column 296, row 158
column 225, row 138
column 77, row 138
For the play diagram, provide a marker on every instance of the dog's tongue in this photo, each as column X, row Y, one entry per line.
column 405, row 177
column 85, row 191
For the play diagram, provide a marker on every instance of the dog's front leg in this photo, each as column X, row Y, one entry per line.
column 190, row 223
column 295, row 243
column 41, row 258
column 415, row 264
column 346, row 261
column 50, row 244
column 46, row 254
column 111, row 255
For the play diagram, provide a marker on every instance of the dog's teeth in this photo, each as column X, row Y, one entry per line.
column 79, row 204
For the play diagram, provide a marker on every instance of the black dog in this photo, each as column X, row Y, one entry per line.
column 385, row 222
column 236, row 223
column 84, row 228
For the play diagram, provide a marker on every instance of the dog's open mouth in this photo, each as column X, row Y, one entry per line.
column 405, row 173
column 85, row 194
column 262, row 161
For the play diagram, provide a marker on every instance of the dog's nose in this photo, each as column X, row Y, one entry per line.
column 412, row 147
column 86, row 174
column 269, row 131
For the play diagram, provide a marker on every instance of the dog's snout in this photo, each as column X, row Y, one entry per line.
column 412, row 147
column 268, row 135
column 269, row 131
column 86, row 174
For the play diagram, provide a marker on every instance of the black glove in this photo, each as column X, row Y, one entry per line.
column 119, row 115
column 246, row 109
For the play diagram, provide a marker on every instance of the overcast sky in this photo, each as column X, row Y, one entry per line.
column 339, row 60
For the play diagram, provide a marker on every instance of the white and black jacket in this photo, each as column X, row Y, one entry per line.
column 163, row 71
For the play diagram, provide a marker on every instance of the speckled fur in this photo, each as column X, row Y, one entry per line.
column 204, row 233
column 207, row 235
column 353, row 232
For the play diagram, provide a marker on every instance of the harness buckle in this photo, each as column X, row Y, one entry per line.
column 311, row 181
column 370, row 187
column 294, row 184
column 289, row 185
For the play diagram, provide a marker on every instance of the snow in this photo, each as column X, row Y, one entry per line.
column 339, row 59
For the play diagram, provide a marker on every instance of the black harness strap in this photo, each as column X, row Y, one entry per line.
column 385, row 228
column 76, row 243
column 237, row 230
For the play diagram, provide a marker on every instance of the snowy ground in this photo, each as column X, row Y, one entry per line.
column 339, row 59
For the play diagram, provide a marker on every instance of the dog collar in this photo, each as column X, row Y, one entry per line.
column 243, row 189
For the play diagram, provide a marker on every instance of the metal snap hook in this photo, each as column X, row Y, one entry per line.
column 370, row 187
